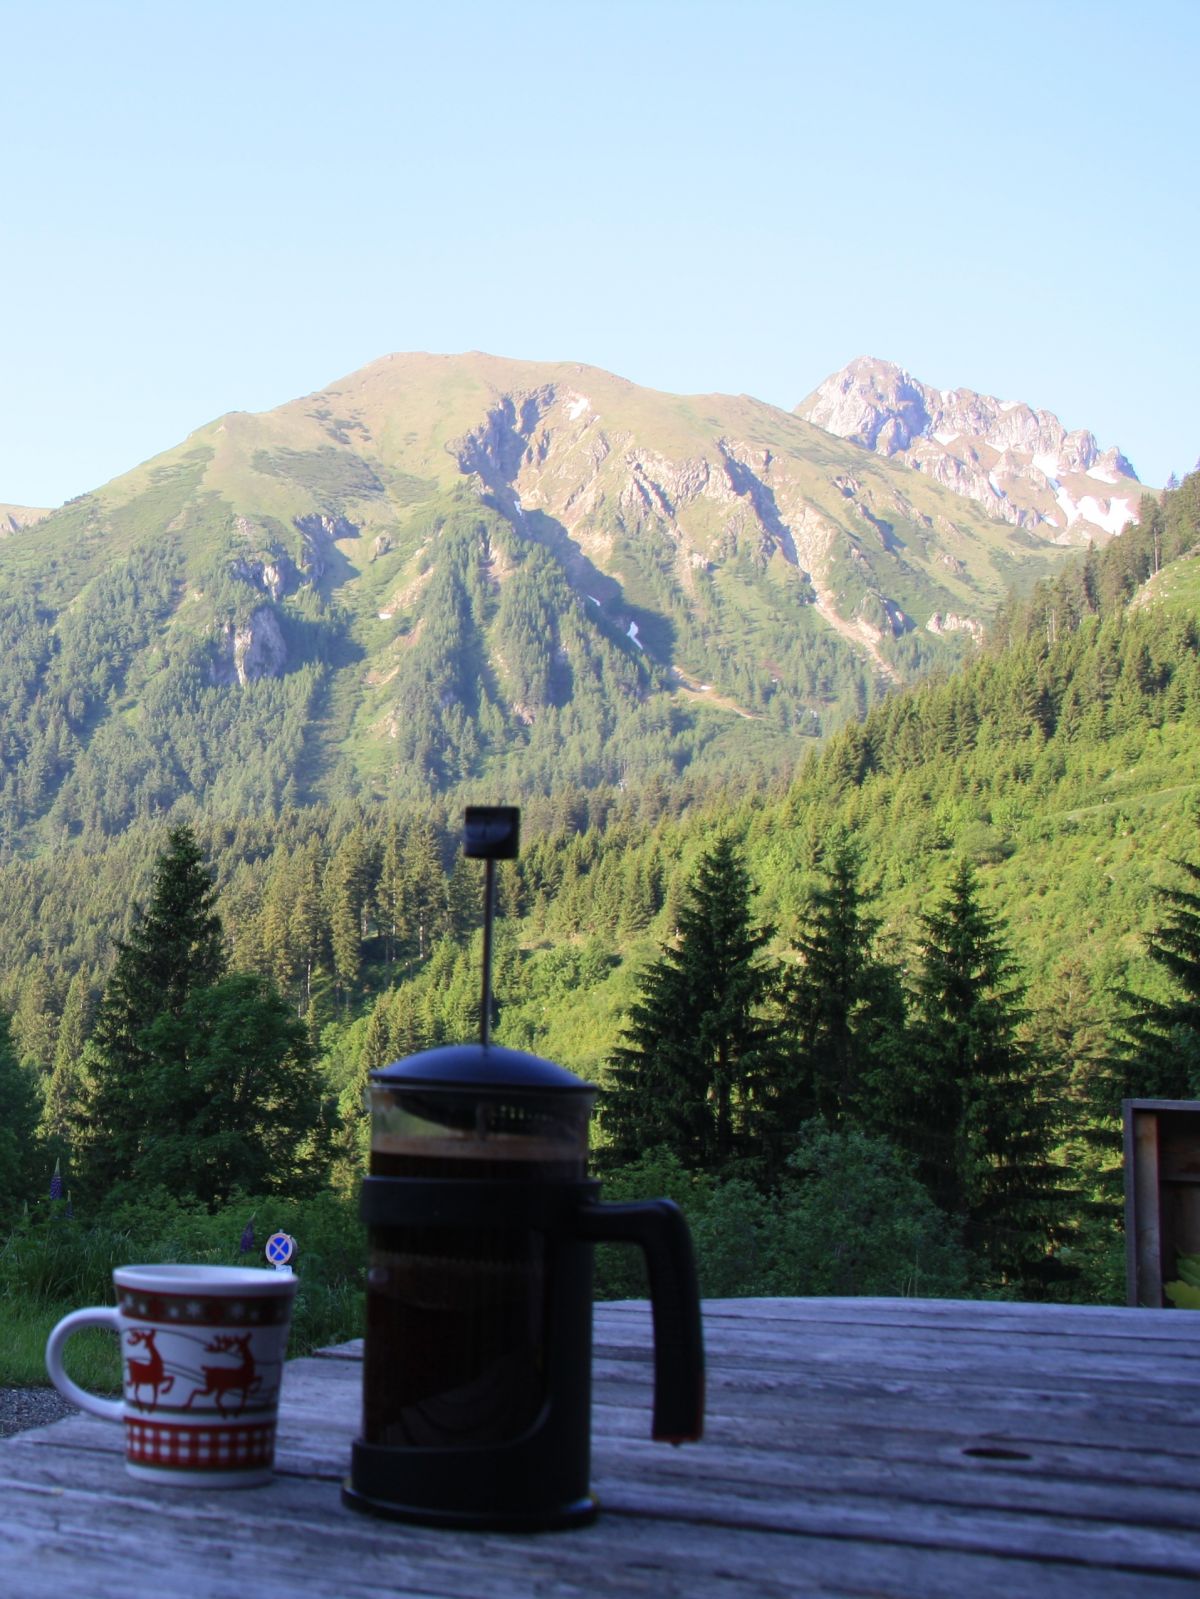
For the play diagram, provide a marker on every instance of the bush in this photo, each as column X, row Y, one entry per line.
column 851, row 1219
column 858, row 1222
column 730, row 1223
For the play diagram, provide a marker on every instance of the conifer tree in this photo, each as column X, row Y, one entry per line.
column 1162, row 1060
column 33, row 1029
column 18, row 1126
column 974, row 1103
column 843, row 1009
column 174, row 946
column 699, row 1063
column 348, row 889
column 198, row 1081
column 63, row 1111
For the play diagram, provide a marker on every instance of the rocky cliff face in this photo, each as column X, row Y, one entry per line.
column 252, row 650
column 14, row 518
column 1021, row 465
column 614, row 501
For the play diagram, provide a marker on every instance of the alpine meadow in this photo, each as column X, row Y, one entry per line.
column 859, row 804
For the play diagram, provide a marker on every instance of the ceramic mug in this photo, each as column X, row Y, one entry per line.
column 202, row 1352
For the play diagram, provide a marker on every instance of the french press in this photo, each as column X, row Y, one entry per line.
column 481, row 1225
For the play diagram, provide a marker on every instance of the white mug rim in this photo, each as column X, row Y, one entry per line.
column 210, row 1280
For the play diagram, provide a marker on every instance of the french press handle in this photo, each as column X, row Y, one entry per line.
column 659, row 1228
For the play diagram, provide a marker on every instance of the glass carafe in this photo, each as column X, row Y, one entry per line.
column 459, row 1280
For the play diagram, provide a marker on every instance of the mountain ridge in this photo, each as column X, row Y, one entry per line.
column 449, row 570
column 1019, row 463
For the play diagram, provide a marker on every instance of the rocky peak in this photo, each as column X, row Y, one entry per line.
column 1021, row 464
column 16, row 518
column 875, row 403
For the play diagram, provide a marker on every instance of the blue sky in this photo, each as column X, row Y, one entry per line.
column 221, row 207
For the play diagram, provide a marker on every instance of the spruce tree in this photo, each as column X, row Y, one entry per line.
column 198, row 1081
column 1163, row 1057
column 18, row 1128
column 63, row 1110
column 843, row 1009
column 174, row 947
column 974, row 1103
column 698, row 1062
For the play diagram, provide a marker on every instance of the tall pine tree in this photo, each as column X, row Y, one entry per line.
column 843, row 1008
column 19, row 1156
column 975, row 1104
column 174, row 947
column 698, row 1061
column 199, row 1081
column 1163, row 1058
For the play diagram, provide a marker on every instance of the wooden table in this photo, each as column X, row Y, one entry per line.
column 854, row 1446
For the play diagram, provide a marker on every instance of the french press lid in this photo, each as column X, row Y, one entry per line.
column 477, row 1101
column 487, row 1068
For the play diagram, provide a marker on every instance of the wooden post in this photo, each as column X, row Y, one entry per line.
column 1162, row 1193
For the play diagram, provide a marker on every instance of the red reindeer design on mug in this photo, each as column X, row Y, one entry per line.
column 148, row 1373
column 223, row 1382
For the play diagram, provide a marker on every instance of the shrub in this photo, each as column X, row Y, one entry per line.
column 856, row 1221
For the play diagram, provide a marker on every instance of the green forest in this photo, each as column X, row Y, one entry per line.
column 868, row 1019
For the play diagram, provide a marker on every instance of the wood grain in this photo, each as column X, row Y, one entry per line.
column 899, row 1448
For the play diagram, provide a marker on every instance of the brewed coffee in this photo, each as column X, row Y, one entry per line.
column 456, row 1319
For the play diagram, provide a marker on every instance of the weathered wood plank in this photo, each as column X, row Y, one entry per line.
column 938, row 1502
column 1132, row 1484
column 1149, row 1489
column 1056, row 1411
column 834, row 1464
column 1032, row 1321
column 288, row 1539
column 966, row 1315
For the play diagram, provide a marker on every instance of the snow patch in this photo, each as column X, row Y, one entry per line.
column 633, row 634
column 593, row 599
column 1104, row 474
column 577, row 407
column 1067, row 506
column 1047, row 464
column 1009, row 405
column 997, row 488
column 1111, row 517
column 944, row 436
column 1051, row 521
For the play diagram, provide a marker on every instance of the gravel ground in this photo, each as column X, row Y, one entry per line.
column 21, row 1408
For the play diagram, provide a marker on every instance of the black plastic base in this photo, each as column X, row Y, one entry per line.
column 554, row 1519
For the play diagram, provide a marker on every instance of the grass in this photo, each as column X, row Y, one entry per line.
column 323, row 1314
column 49, row 1266
column 90, row 1355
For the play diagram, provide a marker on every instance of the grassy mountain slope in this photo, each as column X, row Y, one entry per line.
column 451, row 570
column 1063, row 762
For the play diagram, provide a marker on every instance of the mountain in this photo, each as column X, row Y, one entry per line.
column 15, row 518
column 446, row 571
column 1062, row 759
column 1021, row 465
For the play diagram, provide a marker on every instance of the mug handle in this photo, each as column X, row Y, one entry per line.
column 94, row 1316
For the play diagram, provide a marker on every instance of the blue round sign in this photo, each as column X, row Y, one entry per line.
column 280, row 1249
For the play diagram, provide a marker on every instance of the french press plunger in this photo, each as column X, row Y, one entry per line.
column 481, row 1223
